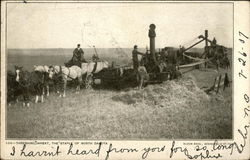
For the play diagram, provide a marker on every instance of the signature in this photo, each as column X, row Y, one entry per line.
column 206, row 153
column 201, row 155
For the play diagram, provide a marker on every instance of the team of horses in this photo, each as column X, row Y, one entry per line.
column 23, row 84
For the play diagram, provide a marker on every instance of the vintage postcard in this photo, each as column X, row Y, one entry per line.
column 125, row 80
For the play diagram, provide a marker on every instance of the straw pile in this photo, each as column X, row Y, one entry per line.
column 181, row 93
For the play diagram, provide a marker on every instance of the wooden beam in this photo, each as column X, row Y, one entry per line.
column 193, row 45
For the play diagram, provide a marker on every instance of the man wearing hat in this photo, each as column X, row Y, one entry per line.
column 78, row 56
column 135, row 53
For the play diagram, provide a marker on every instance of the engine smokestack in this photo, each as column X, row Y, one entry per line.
column 152, row 35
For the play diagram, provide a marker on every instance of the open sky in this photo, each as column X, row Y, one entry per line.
column 112, row 25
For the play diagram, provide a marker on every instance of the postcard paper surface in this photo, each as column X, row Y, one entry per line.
column 125, row 80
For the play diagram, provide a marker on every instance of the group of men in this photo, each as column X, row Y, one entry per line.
column 78, row 57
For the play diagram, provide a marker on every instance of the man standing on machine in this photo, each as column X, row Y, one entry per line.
column 135, row 59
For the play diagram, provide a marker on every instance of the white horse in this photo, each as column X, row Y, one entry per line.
column 45, row 70
column 66, row 74
column 41, row 68
column 90, row 68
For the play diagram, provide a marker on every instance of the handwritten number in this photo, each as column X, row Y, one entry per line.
column 243, row 53
column 241, row 40
column 246, row 97
column 241, row 34
column 241, row 74
column 241, row 60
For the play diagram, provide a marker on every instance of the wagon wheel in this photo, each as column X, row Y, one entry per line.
column 89, row 81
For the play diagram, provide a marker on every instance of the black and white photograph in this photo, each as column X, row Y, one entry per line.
column 125, row 80
column 119, row 71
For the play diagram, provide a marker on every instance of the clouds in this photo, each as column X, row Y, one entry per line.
column 63, row 25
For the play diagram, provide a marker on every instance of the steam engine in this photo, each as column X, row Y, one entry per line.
column 160, row 65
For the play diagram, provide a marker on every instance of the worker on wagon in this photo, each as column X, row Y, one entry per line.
column 214, row 42
column 78, row 56
column 135, row 53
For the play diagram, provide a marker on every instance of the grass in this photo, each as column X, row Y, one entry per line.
column 172, row 110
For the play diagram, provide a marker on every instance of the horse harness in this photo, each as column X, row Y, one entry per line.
column 95, row 67
column 60, row 72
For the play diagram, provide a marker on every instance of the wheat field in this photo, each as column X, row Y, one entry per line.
column 177, row 109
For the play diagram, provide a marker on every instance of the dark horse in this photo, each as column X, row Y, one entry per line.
column 29, row 82
column 13, row 88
